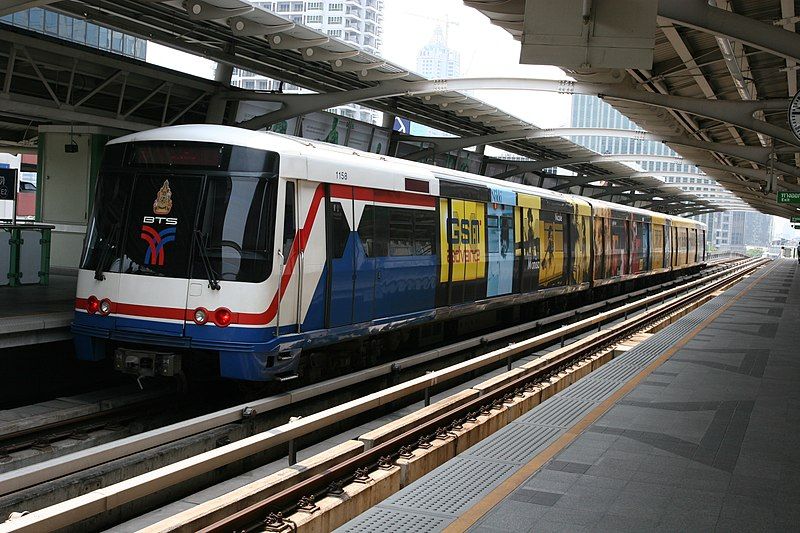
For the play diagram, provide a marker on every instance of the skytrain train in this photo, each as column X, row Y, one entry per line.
column 257, row 247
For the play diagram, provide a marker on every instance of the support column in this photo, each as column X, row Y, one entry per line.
column 217, row 106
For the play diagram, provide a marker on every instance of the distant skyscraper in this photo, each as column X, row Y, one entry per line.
column 359, row 22
column 77, row 30
column 437, row 60
column 725, row 228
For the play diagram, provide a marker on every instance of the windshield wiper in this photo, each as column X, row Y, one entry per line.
column 107, row 245
column 213, row 282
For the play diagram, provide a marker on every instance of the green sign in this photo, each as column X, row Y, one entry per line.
column 786, row 197
column 795, row 220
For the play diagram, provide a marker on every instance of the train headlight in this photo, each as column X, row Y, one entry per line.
column 92, row 304
column 200, row 316
column 105, row 306
column 222, row 317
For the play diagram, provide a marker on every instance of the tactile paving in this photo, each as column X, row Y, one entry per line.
column 434, row 492
column 558, row 411
column 515, row 443
column 591, row 389
column 393, row 521
column 432, row 502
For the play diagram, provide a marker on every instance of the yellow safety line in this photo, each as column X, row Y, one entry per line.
column 474, row 513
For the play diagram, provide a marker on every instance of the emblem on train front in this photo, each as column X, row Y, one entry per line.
column 163, row 203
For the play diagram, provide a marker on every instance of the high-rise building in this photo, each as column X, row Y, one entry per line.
column 359, row 22
column 77, row 30
column 437, row 60
column 729, row 228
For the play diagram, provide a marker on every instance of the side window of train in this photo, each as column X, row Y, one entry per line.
column 424, row 232
column 289, row 216
column 366, row 230
column 373, row 230
column 401, row 232
column 340, row 229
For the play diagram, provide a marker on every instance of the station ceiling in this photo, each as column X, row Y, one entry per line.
column 129, row 94
column 699, row 61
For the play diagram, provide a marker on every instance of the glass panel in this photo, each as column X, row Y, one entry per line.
column 92, row 34
column 50, row 22
column 236, row 225
column 340, row 230
column 64, row 27
column 79, row 30
column 401, row 232
column 128, row 45
column 116, row 41
column 105, row 38
column 103, row 236
column 366, row 230
column 36, row 20
column 424, row 232
column 289, row 215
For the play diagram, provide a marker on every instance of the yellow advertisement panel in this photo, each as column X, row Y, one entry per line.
column 582, row 250
column 658, row 245
column 551, row 237
column 464, row 233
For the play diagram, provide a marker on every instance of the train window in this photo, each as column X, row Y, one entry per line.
column 424, row 232
column 236, row 224
column 493, row 244
column 619, row 246
column 105, row 228
column 289, row 225
column 401, row 232
column 340, row 229
column 366, row 230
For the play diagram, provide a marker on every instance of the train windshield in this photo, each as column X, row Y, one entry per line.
column 163, row 210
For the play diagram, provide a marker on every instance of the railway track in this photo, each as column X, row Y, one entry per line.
column 277, row 510
column 74, row 511
column 42, row 431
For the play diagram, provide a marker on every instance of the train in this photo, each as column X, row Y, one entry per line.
column 256, row 247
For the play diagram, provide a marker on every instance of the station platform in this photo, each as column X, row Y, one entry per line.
column 37, row 314
column 694, row 429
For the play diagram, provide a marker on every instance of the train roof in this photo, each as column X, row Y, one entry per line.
column 290, row 145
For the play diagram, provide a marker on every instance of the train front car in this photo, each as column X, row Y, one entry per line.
column 179, row 256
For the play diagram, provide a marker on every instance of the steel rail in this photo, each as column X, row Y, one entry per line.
column 102, row 500
column 286, row 501
column 70, row 463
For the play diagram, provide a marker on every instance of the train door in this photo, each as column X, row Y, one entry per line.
column 368, row 251
column 500, row 249
column 340, row 237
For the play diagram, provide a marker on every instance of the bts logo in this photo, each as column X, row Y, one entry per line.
column 155, row 244
column 463, row 231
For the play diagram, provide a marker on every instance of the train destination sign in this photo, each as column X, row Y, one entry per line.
column 795, row 220
column 787, row 197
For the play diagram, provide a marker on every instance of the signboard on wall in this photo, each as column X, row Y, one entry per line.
column 786, row 197
column 8, row 183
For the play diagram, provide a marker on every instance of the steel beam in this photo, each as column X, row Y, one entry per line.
column 737, row 113
column 698, row 14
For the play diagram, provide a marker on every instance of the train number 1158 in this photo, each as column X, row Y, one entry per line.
column 341, row 175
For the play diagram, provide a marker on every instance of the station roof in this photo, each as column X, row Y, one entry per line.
column 235, row 33
column 698, row 62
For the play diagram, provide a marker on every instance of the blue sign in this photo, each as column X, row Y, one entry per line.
column 403, row 125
